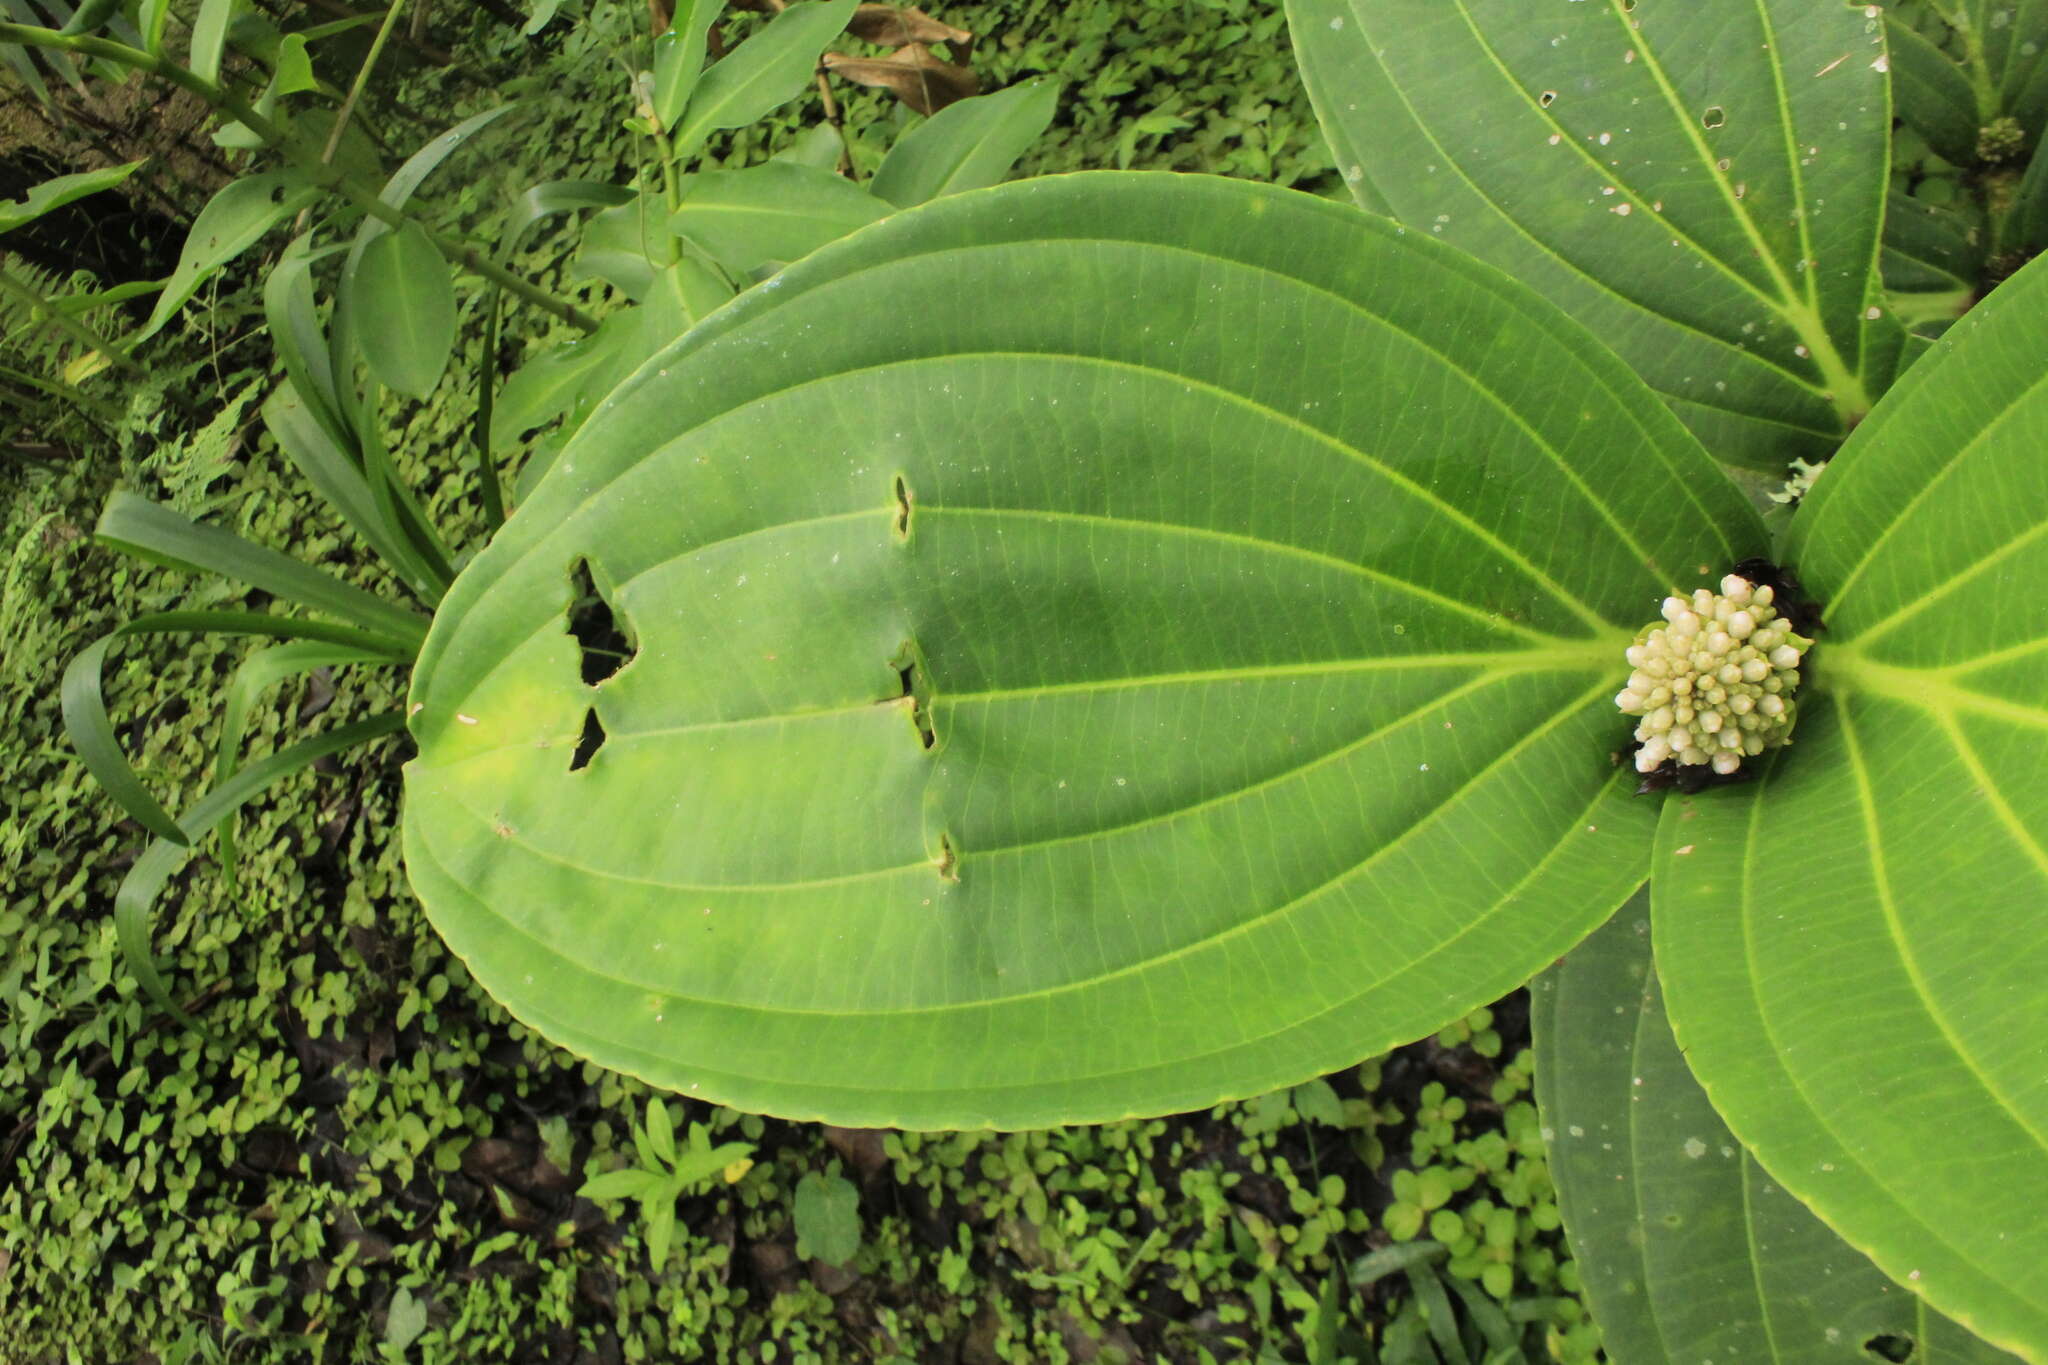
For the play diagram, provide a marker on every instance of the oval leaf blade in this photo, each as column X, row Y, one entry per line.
column 402, row 300
column 1701, row 185
column 1852, row 947
column 1176, row 674
column 1688, row 1249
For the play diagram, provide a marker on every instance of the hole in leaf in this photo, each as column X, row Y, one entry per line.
column 1547, row 98
column 910, row 670
column 948, row 862
column 1895, row 1347
column 598, row 633
column 1714, row 117
column 587, row 743
column 901, row 492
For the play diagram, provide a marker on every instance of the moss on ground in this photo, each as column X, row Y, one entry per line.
column 369, row 1160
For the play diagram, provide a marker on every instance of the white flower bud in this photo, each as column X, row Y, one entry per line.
column 1713, row 684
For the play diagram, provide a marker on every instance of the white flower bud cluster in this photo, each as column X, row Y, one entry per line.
column 1713, row 684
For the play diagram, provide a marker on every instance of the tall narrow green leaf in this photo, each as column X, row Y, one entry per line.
column 968, row 145
column 1700, row 184
column 59, row 191
column 210, row 37
column 1852, row 947
column 1169, row 659
column 763, row 73
column 1688, row 1250
column 402, row 298
column 679, row 56
column 162, row 535
column 232, row 222
column 135, row 901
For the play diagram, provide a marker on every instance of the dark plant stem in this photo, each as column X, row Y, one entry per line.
column 319, row 173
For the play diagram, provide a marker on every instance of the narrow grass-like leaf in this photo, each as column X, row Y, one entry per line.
column 164, row 536
column 210, row 37
column 80, row 698
column 57, row 192
column 403, row 300
column 257, row 674
column 763, row 73
column 1700, row 184
column 135, row 901
column 679, row 56
column 557, row 196
column 338, row 478
column 968, row 145
column 777, row 211
column 232, row 221
column 1850, row 947
column 293, row 318
column 1688, row 1249
column 150, row 20
column 1098, row 691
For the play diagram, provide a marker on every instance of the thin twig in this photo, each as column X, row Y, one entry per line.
column 355, row 91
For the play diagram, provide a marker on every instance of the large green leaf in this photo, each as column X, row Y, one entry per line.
column 1701, row 184
column 1103, row 644
column 1853, row 947
column 1688, row 1250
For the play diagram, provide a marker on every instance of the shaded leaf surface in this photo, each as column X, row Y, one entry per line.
column 777, row 211
column 1850, row 946
column 1689, row 1250
column 968, row 145
column 1702, row 185
column 402, row 298
column 1156, row 682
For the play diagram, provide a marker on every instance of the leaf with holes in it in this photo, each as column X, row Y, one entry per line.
column 1680, row 1237
column 1178, row 671
column 1702, row 185
column 1852, row 947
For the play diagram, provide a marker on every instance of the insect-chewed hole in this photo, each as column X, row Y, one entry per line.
column 599, row 634
column 1714, row 117
column 589, row 742
column 901, row 492
column 1893, row 1346
column 910, row 673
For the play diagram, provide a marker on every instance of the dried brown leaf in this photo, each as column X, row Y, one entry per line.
column 912, row 74
column 896, row 25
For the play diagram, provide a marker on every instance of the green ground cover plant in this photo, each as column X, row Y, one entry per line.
column 1177, row 654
